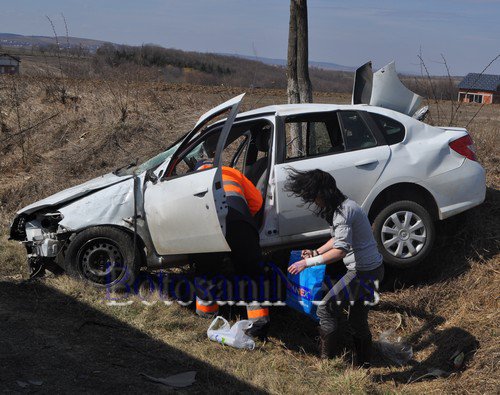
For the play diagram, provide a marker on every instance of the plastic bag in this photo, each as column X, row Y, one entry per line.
column 305, row 288
column 222, row 332
column 396, row 351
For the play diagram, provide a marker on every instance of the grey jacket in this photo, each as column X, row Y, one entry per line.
column 352, row 232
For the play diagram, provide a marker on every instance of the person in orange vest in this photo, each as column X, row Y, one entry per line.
column 244, row 201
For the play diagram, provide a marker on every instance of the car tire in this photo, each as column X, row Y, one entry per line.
column 405, row 233
column 105, row 257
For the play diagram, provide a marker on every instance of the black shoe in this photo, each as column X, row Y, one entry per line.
column 328, row 344
column 363, row 349
column 258, row 330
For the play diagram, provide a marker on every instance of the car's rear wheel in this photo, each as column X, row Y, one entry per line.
column 405, row 233
column 104, row 256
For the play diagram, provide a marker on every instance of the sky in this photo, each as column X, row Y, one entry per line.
column 349, row 32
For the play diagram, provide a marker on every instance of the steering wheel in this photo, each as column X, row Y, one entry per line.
column 190, row 162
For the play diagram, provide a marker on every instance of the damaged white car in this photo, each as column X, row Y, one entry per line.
column 405, row 174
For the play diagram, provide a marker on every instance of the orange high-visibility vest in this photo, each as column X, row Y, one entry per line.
column 235, row 184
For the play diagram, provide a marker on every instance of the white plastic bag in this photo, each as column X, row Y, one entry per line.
column 221, row 331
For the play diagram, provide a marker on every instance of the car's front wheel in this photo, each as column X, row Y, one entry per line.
column 104, row 256
column 405, row 233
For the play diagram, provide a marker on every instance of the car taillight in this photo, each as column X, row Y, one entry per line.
column 464, row 146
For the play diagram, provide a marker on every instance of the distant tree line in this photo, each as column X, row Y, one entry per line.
column 212, row 69
column 151, row 62
column 62, row 49
column 152, row 55
column 437, row 88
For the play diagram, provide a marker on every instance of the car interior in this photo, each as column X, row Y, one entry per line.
column 325, row 133
column 246, row 149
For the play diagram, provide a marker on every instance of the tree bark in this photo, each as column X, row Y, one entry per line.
column 292, row 84
column 305, row 87
column 299, row 88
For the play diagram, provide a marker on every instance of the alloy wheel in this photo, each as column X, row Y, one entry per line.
column 403, row 234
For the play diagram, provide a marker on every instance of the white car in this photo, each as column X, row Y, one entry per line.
column 404, row 173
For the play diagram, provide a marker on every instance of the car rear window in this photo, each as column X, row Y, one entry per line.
column 394, row 131
column 356, row 132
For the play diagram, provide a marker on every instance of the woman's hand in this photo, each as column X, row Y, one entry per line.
column 306, row 254
column 297, row 267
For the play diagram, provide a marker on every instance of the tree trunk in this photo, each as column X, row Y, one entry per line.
column 299, row 89
column 294, row 132
column 293, row 84
column 305, row 87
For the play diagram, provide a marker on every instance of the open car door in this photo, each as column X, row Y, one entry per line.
column 186, row 213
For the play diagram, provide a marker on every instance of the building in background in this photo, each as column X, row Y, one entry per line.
column 479, row 88
column 9, row 64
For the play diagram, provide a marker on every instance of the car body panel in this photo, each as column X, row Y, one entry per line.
column 75, row 192
column 365, row 166
column 389, row 92
column 110, row 206
column 182, row 215
column 188, row 214
column 459, row 189
column 425, row 150
column 384, row 89
column 422, row 155
column 212, row 113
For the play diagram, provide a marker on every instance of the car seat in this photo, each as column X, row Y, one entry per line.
column 257, row 172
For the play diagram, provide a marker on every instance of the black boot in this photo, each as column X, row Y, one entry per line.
column 328, row 344
column 363, row 351
column 259, row 330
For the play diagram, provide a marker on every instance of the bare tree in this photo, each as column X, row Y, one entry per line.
column 299, row 88
column 293, row 82
column 299, row 84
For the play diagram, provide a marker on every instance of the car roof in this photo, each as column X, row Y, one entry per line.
column 291, row 109
column 286, row 109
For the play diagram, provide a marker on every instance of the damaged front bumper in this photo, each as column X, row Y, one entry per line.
column 41, row 234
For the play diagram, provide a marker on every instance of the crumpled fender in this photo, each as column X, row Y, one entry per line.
column 75, row 192
column 108, row 206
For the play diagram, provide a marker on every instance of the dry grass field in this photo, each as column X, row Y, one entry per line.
column 57, row 132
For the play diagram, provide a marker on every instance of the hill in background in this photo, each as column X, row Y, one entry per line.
column 282, row 62
column 86, row 58
column 26, row 42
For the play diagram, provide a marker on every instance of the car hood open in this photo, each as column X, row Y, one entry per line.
column 75, row 192
column 384, row 89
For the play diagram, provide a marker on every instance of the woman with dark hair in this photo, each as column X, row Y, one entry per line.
column 353, row 242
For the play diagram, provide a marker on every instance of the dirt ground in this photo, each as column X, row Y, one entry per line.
column 60, row 336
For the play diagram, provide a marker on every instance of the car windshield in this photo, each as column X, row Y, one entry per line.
column 149, row 164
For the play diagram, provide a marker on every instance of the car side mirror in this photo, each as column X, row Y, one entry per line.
column 151, row 176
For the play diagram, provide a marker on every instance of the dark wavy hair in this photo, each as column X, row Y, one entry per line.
column 313, row 186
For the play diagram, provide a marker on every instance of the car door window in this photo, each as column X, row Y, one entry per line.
column 229, row 154
column 393, row 131
column 312, row 135
column 201, row 150
column 295, row 133
column 356, row 133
